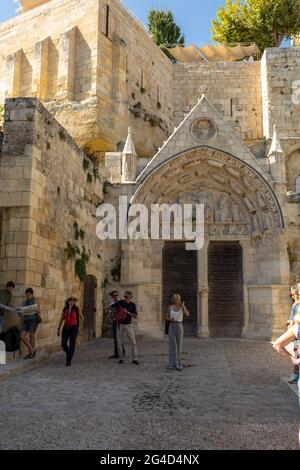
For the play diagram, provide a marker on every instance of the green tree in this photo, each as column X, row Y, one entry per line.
column 165, row 32
column 265, row 22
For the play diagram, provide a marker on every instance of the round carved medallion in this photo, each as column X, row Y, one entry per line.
column 203, row 130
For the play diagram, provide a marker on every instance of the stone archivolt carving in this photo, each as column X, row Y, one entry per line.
column 238, row 201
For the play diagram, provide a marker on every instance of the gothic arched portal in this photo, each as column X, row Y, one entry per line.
column 243, row 214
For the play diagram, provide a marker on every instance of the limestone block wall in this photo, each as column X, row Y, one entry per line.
column 45, row 188
column 268, row 311
column 291, row 208
column 234, row 88
column 280, row 72
column 95, row 67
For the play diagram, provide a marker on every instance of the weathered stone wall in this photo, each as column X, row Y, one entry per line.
column 44, row 190
column 234, row 88
column 280, row 70
column 95, row 82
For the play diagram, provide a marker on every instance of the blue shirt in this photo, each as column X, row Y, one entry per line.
column 294, row 311
column 27, row 303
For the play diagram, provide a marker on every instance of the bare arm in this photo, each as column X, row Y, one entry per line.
column 284, row 340
column 133, row 315
column 60, row 323
column 168, row 318
column 38, row 308
column 185, row 311
column 112, row 311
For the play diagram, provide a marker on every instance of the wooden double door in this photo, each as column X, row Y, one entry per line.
column 225, row 283
column 89, row 308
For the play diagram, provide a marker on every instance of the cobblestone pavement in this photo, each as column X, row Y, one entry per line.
column 229, row 396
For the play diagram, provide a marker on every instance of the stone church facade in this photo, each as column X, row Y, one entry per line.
column 226, row 135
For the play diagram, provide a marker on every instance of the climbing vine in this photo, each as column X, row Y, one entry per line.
column 81, row 264
column 139, row 111
column 116, row 273
column 80, row 256
column 79, row 232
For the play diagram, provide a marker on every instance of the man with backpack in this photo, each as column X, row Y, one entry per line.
column 125, row 310
column 71, row 318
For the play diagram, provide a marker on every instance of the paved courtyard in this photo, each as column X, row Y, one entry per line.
column 229, row 396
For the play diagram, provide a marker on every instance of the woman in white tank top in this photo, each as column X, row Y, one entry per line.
column 176, row 312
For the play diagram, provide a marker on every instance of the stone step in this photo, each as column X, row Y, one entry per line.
column 18, row 365
column 10, row 356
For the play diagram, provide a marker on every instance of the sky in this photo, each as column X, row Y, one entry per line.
column 194, row 16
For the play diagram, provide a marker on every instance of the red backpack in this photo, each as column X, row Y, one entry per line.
column 120, row 315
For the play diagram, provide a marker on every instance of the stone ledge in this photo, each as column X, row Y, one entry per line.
column 20, row 365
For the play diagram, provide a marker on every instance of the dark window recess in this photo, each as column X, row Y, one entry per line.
column 225, row 281
column 107, row 21
column 89, row 308
column 179, row 275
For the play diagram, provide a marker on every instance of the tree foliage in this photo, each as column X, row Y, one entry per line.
column 166, row 33
column 265, row 22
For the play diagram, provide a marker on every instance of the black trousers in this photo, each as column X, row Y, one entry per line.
column 69, row 335
column 116, row 351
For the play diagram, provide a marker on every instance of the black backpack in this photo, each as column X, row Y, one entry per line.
column 11, row 339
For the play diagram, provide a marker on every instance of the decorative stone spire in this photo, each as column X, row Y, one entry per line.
column 277, row 159
column 129, row 163
column 129, row 148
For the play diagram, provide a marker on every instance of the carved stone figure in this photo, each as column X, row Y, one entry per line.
column 236, row 212
column 261, row 200
column 249, row 204
column 257, row 232
column 223, row 213
column 267, row 220
column 209, row 215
